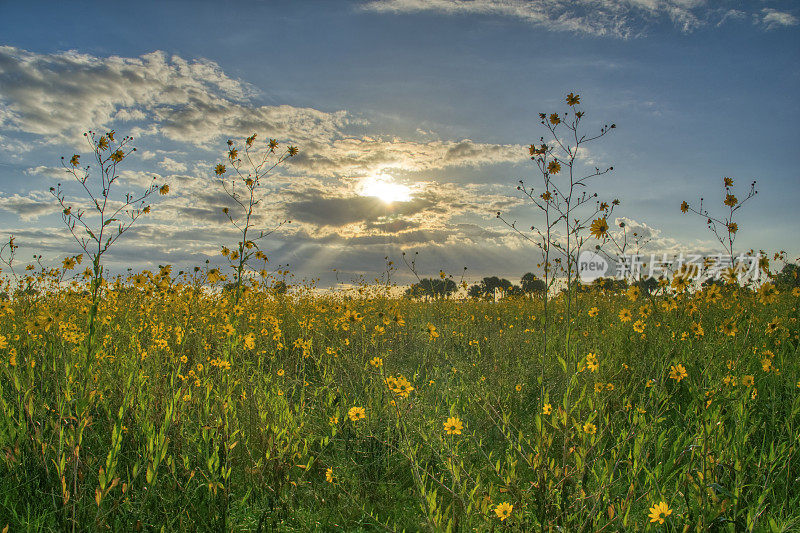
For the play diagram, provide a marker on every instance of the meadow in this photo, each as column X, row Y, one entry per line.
column 199, row 410
column 223, row 399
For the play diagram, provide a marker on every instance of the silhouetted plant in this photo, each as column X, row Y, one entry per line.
column 244, row 187
column 97, row 227
column 723, row 227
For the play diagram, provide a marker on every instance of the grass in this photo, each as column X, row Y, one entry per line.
column 195, row 413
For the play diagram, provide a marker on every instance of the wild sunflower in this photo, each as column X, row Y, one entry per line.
column 678, row 372
column 453, row 426
column 356, row 413
column 503, row 511
column 659, row 512
column 599, row 228
column 573, row 99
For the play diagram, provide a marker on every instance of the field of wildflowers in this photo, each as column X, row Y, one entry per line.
column 216, row 400
column 305, row 412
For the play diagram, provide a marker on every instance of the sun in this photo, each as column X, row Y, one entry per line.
column 385, row 188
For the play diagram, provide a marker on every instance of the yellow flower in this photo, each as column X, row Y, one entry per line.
column 728, row 182
column 281, row 372
column 748, row 380
column 547, row 408
column 573, row 99
column 677, row 372
column 329, row 475
column 684, row 207
column 591, row 362
column 767, row 293
column 638, row 326
column 250, row 342
column 220, row 169
column 356, row 413
column 554, row 167
column 164, row 189
column 554, row 120
column 593, row 311
column 432, row 333
column 730, row 200
column 729, row 328
column 589, row 428
column 625, row 315
column 503, row 510
column 377, row 362
column 680, row 283
column 599, row 228
column 453, row 426
column 659, row 512
column 518, row 387
column 773, row 326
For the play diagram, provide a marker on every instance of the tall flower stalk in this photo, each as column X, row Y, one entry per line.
column 97, row 227
column 242, row 180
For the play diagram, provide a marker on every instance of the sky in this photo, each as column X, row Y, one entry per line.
column 412, row 119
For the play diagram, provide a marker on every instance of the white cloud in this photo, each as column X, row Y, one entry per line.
column 617, row 18
column 172, row 166
column 60, row 95
column 362, row 156
column 731, row 14
column 28, row 207
column 772, row 18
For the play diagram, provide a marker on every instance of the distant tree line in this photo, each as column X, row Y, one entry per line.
column 531, row 286
column 436, row 288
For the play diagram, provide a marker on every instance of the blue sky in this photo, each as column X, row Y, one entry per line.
column 440, row 96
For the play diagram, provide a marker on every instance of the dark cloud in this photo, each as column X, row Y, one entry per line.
column 339, row 211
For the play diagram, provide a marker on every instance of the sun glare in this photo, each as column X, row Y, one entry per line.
column 384, row 188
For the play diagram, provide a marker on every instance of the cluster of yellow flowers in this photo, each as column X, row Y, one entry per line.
column 399, row 385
